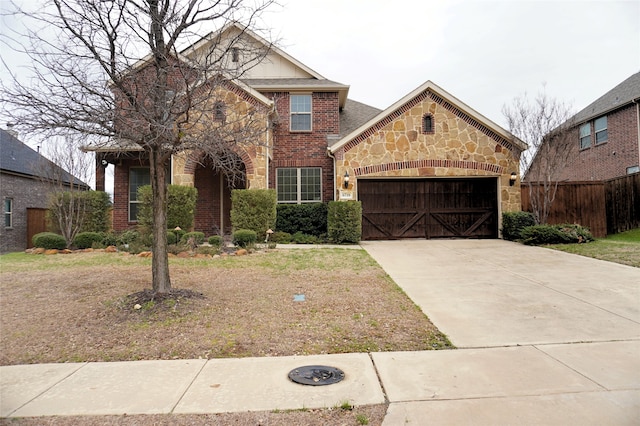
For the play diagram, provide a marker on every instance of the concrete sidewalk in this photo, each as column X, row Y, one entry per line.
column 547, row 338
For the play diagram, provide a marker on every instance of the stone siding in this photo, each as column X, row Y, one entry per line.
column 458, row 146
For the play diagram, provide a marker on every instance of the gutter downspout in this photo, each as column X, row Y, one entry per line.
column 635, row 101
column 335, row 188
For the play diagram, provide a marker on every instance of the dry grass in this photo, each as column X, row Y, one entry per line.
column 78, row 307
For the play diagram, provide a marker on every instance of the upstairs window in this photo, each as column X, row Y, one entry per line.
column 138, row 176
column 299, row 185
column 300, row 113
column 427, row 123
column 600, row 127
column 8, row 212
column 585, row 136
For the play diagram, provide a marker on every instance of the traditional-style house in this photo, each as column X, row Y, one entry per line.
column 27, row 179
column 605, row 137
column 428, row 166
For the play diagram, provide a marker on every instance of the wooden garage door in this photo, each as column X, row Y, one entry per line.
column 429, row 208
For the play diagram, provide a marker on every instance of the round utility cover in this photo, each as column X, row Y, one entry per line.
column 316, row 375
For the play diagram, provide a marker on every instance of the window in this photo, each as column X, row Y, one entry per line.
column 299, row 185
column 300, row 113
column 633, row 169
column 585, row 135
column 219, row 111
column 235, row 54
column 8, row 212
column 138, row 176
column 600, row 127
column 427, row 123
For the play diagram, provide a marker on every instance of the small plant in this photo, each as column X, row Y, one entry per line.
column 86, row 240
column 49, row 241
column 128, row 237
column 346, row 405
column 244, row 237
column 216, row 241
column 362, row 419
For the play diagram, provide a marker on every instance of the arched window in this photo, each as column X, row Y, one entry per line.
column 427, row 123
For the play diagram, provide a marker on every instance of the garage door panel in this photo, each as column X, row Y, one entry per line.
column 429, row 208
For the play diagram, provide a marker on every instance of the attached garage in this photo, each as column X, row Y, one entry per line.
column 429, row 208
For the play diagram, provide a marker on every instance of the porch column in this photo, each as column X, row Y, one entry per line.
column 100, row 173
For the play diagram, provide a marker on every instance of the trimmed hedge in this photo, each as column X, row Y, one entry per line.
column 98, row 217
column 181, row 207
column 216, row 241
column 86, row 239
column 309, row 219
column 198, row 237
column 514, row 222
column 555, row 234
column 253, row 209
column 244, row 237
column 49, row 241
column 344, row 221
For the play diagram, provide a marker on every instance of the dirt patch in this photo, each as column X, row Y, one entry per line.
column 367, row 415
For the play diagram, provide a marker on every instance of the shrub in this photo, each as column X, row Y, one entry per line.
column 244, row 237
column 198, row 237
column 128, row 237
column 216, row 241
column 110, row 239
column 87, row 239
column 253, row 209
column 308, row 219
column 49, row 240
column 514, row 222
column 300, row 238
column 344, row 221
column 97, row 217
column 280, row 237
column 555, row 234
column 171, row 238
column 181, row 206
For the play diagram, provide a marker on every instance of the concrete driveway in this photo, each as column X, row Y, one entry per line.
column 488, row 293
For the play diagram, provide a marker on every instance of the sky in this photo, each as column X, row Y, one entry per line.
column 483, row 52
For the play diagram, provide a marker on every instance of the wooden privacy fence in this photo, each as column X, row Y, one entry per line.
column 605, row 207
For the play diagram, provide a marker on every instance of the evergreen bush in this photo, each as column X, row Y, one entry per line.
column 555, row 234
column 308, row 218
column 344, row 221
column 253, row 209
column 198, row 237
column 181, row 207
column 49, row 241
column 216, row 241
column 244, row 237
column 514, row 222
column 86, row 240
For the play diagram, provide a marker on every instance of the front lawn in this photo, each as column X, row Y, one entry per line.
column 82, row 307
column 620, row 248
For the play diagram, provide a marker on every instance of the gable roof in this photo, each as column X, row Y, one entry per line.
column 19, row 159
column 467, row 113
column 623, row 94
column 354, row 114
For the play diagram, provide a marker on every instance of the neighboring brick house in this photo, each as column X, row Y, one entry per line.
column 25, row 192
column 606, row 136
column 428, row 142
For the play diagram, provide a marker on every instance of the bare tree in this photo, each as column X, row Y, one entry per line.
column 67, row 169
column 113, row 71
column 544, row 123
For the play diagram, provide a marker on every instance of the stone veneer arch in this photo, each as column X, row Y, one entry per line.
column 194, row 157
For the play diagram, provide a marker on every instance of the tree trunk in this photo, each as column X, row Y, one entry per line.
column 160, row 258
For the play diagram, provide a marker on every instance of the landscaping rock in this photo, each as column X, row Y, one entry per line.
column 242, row 252
column 111, row 249
column 145, row 254
column 50, row 252
column 38, row 250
